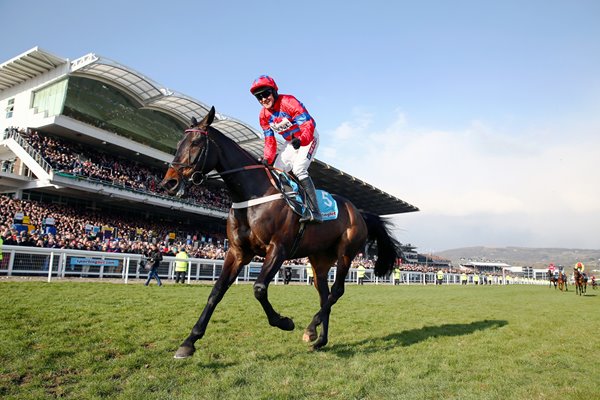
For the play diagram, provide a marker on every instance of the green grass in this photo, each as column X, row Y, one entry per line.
column 100, row 340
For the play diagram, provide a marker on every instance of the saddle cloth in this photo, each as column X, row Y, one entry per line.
column 327, row 204
column 290, row 192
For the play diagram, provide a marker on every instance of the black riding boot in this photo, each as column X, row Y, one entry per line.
column 312, row 215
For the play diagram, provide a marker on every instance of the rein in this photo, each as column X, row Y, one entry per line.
column 212, row 175
column 215, row 175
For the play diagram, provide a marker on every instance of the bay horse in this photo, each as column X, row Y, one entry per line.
column 580, row 282
column 271, row 229
column 562, row 281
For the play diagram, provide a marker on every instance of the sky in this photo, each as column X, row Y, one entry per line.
column 485, row 115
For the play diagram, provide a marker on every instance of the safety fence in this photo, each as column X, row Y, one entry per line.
column 67, row 263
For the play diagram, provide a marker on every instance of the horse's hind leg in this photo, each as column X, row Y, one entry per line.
column 310, row 333
column 328, row 299
column 270, row 267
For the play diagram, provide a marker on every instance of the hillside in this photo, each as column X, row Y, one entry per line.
column 523, row 256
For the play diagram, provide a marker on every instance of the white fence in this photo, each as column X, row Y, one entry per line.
column 66, row 263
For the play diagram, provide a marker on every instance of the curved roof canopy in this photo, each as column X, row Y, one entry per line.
column 151, row 95
column 27, row 66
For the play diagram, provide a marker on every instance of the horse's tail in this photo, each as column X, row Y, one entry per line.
column 388, row 248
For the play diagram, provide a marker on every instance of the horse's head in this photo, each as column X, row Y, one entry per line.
column 193, row 158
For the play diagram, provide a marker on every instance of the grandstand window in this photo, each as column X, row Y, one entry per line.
column 50, row 99
column 10, row 108
column 112, row 109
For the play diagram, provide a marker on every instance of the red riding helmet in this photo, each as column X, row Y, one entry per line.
column 263, row 82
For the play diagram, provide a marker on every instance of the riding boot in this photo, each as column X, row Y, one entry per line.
column 313, row 214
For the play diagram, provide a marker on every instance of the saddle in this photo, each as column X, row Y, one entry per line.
column 295, row 196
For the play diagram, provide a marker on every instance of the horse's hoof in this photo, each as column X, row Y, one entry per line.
column 286, row 324
column 319, row 344
column 184, row 352
column 309, row 336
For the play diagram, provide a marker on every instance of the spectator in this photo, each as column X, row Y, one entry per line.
column 287, row 274
column 309, row 273
column 463, row 278
column 360, row 274
column 154, row 258
column 440, row 277
column 181, row 266
column 397, row 275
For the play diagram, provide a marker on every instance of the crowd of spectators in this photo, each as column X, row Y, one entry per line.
column 73, row 230
column 131, row 235
column 128, row 234
column 84, row 162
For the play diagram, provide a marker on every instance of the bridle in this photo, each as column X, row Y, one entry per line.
column 198, row 177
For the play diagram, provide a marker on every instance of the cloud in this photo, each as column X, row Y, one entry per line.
column 482, row 181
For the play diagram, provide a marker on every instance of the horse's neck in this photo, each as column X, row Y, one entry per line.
column 244, row 184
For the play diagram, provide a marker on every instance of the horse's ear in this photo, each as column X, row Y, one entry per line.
column 194, row 122
column 208, row 118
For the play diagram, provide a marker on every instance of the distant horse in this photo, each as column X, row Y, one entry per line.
column 562, row 282
column 552, row 279
column 580, row 282
column 260, row 223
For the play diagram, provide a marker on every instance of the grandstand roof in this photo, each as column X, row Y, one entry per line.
column 27, row 66
column 151, row 95
column 486, row 264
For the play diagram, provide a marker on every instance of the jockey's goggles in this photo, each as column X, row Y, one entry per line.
column 263, row 95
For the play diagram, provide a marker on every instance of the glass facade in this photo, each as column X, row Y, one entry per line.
column 50, row 99
column 106, row 107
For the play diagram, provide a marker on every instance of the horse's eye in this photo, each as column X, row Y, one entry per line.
column 196, row 142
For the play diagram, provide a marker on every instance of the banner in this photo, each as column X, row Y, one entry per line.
column 93, row 261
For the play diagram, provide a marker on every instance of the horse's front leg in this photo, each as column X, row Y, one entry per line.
column 273, row 260
column 231, row 269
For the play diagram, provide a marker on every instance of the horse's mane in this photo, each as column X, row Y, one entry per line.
column 234, row 143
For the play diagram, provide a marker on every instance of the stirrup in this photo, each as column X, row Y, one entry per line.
column 309, row 216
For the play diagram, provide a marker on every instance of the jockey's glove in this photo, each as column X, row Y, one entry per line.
column 295, row 143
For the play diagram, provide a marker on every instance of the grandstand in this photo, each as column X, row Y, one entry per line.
column 96, row 133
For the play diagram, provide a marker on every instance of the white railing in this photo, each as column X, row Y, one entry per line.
column 66, row 263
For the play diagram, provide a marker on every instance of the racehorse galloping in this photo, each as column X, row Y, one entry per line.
column 562, row 281
column 271, row 230
column 580, row 282
column 552, row 279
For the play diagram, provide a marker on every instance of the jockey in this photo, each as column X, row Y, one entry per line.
column 285, row 115
column 579, row 266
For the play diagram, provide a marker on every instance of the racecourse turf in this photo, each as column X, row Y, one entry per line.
column 87, row 340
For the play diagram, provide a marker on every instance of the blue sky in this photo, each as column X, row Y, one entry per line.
column 485, row 115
